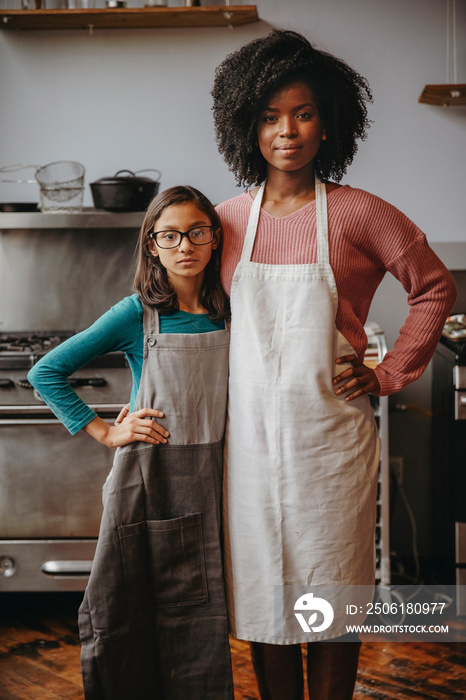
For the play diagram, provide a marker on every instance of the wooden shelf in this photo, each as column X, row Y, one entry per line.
column 444, row 95
column 130, row 17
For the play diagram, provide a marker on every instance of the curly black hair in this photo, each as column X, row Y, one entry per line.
column 248, row 77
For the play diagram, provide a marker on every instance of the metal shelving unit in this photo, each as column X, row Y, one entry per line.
column 88, row 218
column 377, row 347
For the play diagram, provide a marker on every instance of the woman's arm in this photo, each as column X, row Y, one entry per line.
column 431, row 295
column 377, row 238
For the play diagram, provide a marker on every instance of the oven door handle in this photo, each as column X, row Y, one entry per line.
column 29, row 421
column 37, row 415
column 67, row 568
column 40, row 421
column 460, row 405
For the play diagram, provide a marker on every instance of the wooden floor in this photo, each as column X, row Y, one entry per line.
column 39, row 658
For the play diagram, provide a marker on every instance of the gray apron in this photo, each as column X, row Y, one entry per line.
column 300, row 463
column 153, row 621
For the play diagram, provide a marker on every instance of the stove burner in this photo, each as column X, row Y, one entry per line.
column 33, row 343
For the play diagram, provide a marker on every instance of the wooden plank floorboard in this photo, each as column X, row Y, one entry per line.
column 412, row 670
column 39, row 647
column 39, row 658
column 26, row 679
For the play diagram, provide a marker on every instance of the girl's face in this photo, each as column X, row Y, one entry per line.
column 289, row 129
column 187, row 260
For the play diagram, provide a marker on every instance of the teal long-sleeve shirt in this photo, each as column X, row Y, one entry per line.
column 119, row 329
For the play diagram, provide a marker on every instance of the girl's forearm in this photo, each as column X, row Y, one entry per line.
column 99, row 430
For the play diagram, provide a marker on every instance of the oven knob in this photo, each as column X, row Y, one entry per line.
column 7, row 566
column 6, row 383
column 24, row 384
column 86, row 381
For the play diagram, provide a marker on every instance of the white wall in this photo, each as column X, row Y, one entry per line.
column 141, row 98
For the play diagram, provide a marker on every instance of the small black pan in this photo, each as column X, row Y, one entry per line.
column 124, row 191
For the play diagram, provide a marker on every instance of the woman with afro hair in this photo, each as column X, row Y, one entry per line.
column 303, row 257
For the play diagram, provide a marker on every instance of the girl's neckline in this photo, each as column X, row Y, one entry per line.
column 299, row 211
column 188, row 313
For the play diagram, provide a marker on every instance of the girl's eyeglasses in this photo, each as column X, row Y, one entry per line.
column 199, row 235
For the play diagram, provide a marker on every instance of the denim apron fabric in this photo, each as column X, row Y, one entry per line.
column 300, row 463
column 153, row 621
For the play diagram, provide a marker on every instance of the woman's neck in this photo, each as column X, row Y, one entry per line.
column 283, row 186
column 287, row 192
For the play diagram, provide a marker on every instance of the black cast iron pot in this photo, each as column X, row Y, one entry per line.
column 128, row 192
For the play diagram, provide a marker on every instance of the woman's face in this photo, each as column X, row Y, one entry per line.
column 289, row 129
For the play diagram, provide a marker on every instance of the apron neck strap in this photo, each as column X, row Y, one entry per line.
column 252, row 225
column 321, row 218
column 151, row 320
column 322, row 222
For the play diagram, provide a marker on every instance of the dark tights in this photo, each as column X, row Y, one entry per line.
column 331, row 670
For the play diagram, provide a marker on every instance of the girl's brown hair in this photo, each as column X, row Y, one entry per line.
column 151, row 282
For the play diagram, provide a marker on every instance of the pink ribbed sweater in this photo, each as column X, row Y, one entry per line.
column 367, row 237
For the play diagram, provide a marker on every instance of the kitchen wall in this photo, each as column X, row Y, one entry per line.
column 141, row 99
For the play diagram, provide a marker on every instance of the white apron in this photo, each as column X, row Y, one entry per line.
column 301, row 464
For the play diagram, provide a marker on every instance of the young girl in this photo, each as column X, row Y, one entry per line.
column 153, row 621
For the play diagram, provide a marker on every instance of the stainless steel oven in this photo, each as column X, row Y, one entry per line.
column 57, row 272
column 50, row 502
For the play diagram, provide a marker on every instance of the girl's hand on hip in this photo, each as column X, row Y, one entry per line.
column 138, row 426
column 123, row 413
column 358, row 379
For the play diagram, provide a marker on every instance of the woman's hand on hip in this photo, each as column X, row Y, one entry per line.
column 139, row 426
column 358, row 379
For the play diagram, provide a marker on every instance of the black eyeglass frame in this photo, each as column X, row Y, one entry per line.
column 154, row 234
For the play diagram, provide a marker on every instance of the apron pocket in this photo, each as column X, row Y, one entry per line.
column 164, row 563
column 176, row 549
